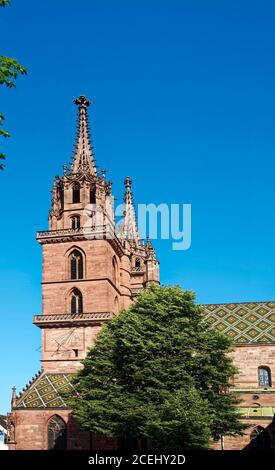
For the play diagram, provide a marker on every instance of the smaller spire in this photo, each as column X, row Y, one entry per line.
column 129, row 225
column 149, row 248
column 83, row 160
column 13, row 398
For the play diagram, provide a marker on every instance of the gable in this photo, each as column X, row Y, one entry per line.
column 45, row 391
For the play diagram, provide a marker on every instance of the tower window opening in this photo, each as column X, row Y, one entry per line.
column 75, row 221
column 137, row 264
column 76, row 193
column 76, row 265
column 92, row 196
column 76, row 302
column 62, row 197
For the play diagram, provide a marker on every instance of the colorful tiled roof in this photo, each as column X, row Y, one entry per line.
column 245, row 323
column 45, row 391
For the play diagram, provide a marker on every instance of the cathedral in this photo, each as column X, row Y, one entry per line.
column 93, row 269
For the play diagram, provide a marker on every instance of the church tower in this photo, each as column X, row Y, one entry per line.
column 91, row 270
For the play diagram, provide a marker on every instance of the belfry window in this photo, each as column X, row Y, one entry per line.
column 76, row 193
column 75, row 221
column 137, row 264
column 76, row 302
column 76, row 265
column 62, row 197
column 264, row 376
column 92, row 196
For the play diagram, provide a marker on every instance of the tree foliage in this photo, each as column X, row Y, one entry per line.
column 157, row 371
column 4, row 3
column 9, row 71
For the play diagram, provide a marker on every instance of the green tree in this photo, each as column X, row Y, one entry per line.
column 9, row 71
column 158, row 372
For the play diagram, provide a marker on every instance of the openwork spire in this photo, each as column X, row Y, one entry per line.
column 83, row 153
column 129, row 227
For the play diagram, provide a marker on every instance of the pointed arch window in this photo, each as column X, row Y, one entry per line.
column 76, row 302
column 76, row 265
column 264, row 376
column 76, row 193
column 57, row 433
column 75, row 221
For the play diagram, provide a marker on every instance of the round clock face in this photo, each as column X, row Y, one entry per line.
column 64, row 339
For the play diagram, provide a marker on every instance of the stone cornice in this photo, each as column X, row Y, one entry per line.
column 67, row 319
column 102, row 232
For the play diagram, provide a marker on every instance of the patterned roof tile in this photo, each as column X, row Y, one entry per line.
column 246, row 322
column 45, row 391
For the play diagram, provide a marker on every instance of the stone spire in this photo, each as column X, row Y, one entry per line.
column 83, row 161
column 149, row 249
column 129, row 227
column 13, row 398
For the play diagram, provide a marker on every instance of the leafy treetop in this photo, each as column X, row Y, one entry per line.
column 157, row 372
column 9, row 71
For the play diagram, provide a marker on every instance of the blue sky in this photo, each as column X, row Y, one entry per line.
column 183, row 102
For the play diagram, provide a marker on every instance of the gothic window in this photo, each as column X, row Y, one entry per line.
column 76, row 193
column 264, row 376
column 76, row 302
column 75, row 221
column 57, row 433
column 92, row 196
column 76, row 265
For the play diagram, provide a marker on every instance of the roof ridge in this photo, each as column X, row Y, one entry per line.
column 238, row 303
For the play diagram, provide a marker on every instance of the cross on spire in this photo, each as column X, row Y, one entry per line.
column 83, row 160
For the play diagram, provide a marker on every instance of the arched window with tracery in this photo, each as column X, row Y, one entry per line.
column 264, row 376
column 76, row 302
column 57, row 433
column 75, row 221
column 76, row 265
column 76, row 193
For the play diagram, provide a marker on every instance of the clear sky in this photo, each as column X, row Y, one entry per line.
column 183, row 102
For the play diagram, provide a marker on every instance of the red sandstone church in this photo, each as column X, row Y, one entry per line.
column 90, row 272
